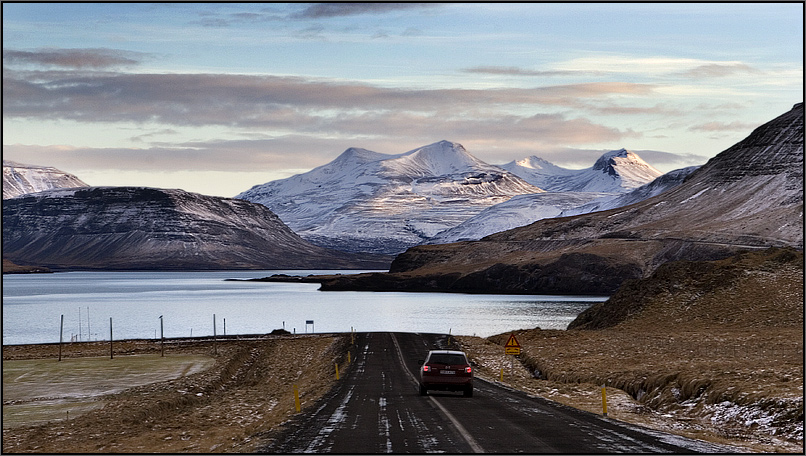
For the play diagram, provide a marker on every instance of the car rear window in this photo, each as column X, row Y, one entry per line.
column 443, row 358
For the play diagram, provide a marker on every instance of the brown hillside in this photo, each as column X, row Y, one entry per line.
column 714, row 348
column 749, row 290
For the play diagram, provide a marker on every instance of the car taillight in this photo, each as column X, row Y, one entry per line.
column 467, row 369
column 426, row 369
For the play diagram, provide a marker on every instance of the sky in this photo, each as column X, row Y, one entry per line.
column 215, row 98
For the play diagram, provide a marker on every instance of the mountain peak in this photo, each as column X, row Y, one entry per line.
column 359, row 155
column 608, row 158
column 437, row 159
column 627, row 165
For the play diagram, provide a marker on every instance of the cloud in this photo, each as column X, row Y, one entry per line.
column 329, row 10
column 515, row 71
column 219, row 19
column 98, row 58
column 715, row 127
column 263, row 101
column 315, row 145
column 232, row 156
column 657, row 66
column 718, row 70
column 285, row 118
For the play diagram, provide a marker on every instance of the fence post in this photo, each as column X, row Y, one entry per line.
column 111, row 351
column 61, row 334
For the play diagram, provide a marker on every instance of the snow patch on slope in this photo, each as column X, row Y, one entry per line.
column 19, row 179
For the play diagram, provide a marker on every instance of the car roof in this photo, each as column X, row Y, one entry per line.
column 447, row 352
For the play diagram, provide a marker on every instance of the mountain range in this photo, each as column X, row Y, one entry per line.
column 617, row 171
column 749, row 196
column 522, row 210
column 363, row 200
column 373, row 202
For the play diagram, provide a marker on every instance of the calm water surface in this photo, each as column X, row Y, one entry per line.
column 33, row 304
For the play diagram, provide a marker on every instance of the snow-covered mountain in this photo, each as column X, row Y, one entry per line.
column 519, row 211
column 151, row 228
column 19, row 179
column 613, row 174
column 372, row 202
column 663, row 183
column 617, row 171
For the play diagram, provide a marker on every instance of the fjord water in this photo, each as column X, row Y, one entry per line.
column 187, row 301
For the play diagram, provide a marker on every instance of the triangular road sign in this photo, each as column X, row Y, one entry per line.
column 512, row 347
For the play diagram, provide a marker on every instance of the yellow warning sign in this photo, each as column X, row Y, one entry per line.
column 512, row 347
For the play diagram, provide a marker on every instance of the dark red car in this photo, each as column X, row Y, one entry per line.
column 446, row 370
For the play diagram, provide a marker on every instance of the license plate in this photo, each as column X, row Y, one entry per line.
column 447, row 372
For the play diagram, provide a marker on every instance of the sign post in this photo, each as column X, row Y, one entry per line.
column 512, row 347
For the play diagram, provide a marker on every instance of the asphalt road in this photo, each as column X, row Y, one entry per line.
column 376, row 408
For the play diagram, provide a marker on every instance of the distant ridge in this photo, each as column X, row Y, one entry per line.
column 131, row 228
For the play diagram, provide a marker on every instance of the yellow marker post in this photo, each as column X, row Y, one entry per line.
column 502, row 374
column 337, row 371
column 348, row 357
column 604, row 401
column 296, row 398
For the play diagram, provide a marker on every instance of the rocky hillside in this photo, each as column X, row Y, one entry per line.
column 149, row 228
column 684, row 294
column 748, row 197
column 19, row 179
column 710, row 349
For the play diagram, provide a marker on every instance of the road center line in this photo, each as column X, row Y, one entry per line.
column 461, row 429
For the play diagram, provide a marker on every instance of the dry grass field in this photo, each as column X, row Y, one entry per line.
column 221, row 400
